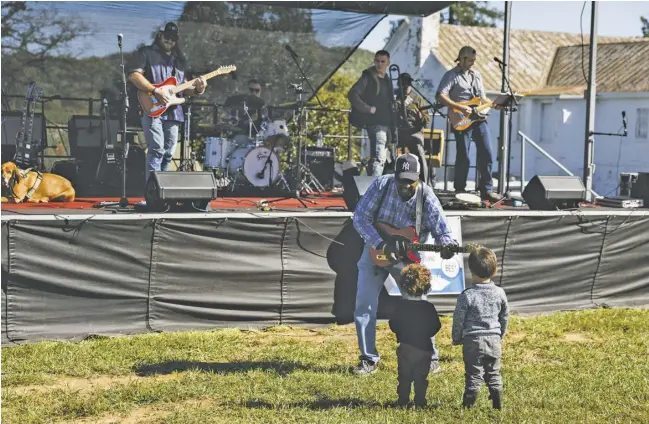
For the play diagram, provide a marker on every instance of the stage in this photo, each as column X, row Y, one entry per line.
column 74, row 270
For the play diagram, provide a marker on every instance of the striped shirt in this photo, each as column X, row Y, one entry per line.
column 398, row 213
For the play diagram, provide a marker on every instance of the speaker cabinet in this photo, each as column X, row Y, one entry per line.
column 321, row 162
column 89, row 132
column 11, row 127
column 193, row 190
column 554, row 192
column 640, row 188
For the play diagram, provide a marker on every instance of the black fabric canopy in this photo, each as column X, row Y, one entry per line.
column 423, row 8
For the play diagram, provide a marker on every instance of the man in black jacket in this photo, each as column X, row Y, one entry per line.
column 371, row 99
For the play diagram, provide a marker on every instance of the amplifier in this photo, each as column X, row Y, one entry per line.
column 88, row 132
column 321, row 162
column 434, row 146
column 11, row 127
column 640, row 189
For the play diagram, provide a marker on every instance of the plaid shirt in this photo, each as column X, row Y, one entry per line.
column 398, row 213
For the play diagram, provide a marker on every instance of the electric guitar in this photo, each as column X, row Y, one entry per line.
column 152, row 107
column 408, row 234
column 461, row 121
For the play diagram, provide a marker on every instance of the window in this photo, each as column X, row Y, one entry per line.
column 642, row 123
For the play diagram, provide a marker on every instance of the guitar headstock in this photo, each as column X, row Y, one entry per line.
column 471, row 247
column 36, row 93
column 30, row 90
column 226, row 69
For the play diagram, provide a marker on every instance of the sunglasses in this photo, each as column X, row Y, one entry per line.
column 254, row 90
column 406, row 183
column 172, row 39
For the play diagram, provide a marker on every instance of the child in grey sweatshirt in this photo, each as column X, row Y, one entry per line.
column 479, row 325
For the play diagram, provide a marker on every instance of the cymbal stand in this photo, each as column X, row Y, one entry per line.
column 251, row 124
column 188, row 160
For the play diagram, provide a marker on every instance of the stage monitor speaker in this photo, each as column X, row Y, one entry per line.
column 11, row 126
column 193, row 190
column 86, row 132
column 640, row 188
column 554, row 192
column 321, row 161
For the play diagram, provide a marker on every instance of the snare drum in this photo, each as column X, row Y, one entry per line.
column 217, row 151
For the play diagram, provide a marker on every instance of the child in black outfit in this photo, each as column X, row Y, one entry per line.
column 415, row 322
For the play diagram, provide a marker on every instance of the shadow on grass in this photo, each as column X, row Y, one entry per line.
column 326, row 403
column 281, row 368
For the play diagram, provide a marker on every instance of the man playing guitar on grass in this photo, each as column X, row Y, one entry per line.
column 392, row 199
column 461, row 84
column 152, row 65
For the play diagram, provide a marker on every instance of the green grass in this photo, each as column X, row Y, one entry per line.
column 587, row 367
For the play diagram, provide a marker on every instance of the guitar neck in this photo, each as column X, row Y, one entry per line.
column 433, row 248
column 189, row 84
column 484, row 107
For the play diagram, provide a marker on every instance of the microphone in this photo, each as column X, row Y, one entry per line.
column 499, row 61
column 291, row 51
column 624, row 122
column 120, row 37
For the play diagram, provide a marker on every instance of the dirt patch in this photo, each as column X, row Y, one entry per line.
column 84, row 384
column 577, row 338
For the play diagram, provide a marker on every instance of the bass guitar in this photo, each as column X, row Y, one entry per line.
column 153, row 108
column 461, row 121
column 409, row 234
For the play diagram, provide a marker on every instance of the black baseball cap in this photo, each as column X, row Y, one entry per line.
column 171, row 31
column 407, row 167
column 406, row 78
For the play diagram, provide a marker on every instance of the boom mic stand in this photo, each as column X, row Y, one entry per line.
column 123, row 202
column 512, row 109
column 436, row 110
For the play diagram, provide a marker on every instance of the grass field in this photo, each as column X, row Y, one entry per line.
column 575, row 367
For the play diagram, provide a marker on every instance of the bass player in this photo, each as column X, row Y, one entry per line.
column 461, row 84
column 392, row 199
column 152, row 65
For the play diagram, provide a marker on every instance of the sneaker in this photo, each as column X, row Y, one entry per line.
column 492, row 197
column 435, row 367
column 366, row 367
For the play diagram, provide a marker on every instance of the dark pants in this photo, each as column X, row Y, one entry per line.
column 415, row 144
column 413, row 367
column 479, row 132
column 482, row 357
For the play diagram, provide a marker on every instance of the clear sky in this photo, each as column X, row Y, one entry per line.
column 616, row 18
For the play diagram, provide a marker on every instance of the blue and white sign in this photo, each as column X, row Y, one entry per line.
column 447, row 276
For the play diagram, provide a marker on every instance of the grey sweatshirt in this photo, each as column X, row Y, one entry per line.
column 481, row 310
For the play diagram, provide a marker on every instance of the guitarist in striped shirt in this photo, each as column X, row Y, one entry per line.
column 458, row 85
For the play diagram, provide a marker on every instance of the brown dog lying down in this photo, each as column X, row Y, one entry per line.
column 33, row 186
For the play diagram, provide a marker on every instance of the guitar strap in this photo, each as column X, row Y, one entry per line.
column 419, row 207
column 383, row 193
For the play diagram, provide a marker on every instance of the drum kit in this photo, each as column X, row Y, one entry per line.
column 251, row 160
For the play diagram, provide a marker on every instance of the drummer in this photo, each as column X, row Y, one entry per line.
column 256, row 108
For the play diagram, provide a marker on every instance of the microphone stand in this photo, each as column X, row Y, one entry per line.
column 512, row 109
column 436, row 110
column 123, row 202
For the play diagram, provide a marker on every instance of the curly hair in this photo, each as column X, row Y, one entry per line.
column 415, row 280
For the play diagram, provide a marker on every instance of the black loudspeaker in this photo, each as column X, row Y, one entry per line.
column 321, row 161
column 192, row 190
column 554, row 192
column 88, row 132
column 10, row 128
column 640, row 188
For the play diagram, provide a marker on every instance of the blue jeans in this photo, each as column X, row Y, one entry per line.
column 479, row 132
column 378, row 135
column 370, row 281
column 161, row 139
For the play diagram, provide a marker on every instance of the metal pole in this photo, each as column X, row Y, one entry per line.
column 349, row 135
column 589, row 147
column 503, row 153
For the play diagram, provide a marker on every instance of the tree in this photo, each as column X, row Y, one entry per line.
column 471, row 13
column 394, row 26
column 645, row 26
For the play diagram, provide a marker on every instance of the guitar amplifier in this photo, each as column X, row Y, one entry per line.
column 11, row 127
column 321, row 162
column 89, row 132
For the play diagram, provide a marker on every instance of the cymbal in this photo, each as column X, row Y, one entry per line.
column 237, row 100
column 218, row 129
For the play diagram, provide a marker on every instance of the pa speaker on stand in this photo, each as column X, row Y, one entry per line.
column 180, row 191
column 554, row 192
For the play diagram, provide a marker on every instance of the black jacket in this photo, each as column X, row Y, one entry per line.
column 368, row 91
column 415, row 322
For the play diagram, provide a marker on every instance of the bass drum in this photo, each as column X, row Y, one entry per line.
column 258, row 169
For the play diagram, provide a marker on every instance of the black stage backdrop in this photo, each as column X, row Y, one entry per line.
column 65, row 279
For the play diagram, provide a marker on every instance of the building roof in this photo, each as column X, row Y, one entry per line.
column 621, row 67
column 531, row 56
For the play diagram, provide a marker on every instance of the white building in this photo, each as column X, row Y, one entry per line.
column 550, row 64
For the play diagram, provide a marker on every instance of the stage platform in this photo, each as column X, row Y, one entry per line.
column 73, row 270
